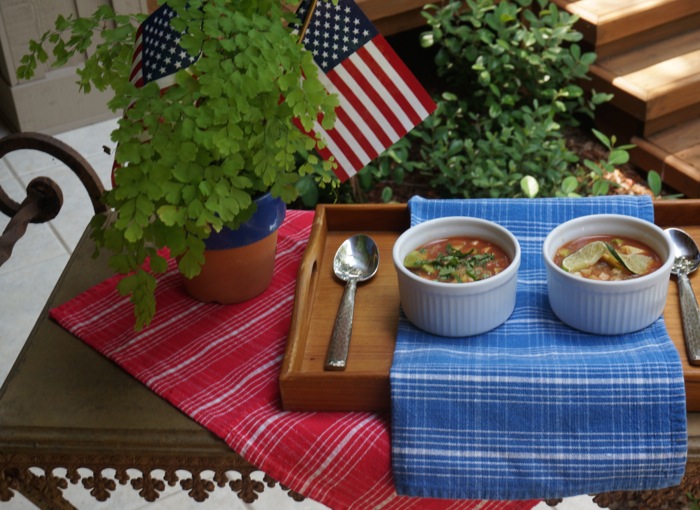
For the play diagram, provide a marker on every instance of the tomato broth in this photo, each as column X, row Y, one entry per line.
column 623, row 258
column 458, row 259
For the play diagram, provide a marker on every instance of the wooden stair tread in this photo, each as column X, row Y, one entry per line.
column 675, row 154
column 682, row 141
column 393, row 16
column 375, row 9
column 609, row 21
column 654, row 65
column 660, row 78
column 649, row 58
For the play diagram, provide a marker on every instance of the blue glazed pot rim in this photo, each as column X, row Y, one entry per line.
column 267, row 218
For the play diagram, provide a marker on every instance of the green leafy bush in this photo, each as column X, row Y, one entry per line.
column 512, row 70
column 509, row 71
column 589, row 178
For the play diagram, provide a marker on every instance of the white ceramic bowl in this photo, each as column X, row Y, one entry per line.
column 457, row 309
column 608, row 308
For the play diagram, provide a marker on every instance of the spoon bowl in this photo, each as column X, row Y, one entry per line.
column 357, row 260
column 687, row 260
column 687, row 254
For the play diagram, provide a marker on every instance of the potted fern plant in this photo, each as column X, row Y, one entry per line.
column 212, row 99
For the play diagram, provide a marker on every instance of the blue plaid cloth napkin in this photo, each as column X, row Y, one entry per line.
column 535, row 409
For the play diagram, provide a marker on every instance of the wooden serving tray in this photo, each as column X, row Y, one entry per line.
column 364, row 385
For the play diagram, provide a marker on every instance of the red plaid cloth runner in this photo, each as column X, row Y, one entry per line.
column 220, row 365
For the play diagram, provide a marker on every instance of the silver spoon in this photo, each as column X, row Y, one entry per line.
column 687, row 260
column 356, row 260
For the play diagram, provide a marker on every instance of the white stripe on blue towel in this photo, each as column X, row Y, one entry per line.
column 534, row 409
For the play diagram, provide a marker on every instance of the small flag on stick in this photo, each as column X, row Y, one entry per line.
column 157, row 51
column 380, row 99
column 157, row 55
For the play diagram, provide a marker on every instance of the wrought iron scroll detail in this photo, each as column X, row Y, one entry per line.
column 18, row 474
column 43, row 202
column 62, row 152
column 44, row 198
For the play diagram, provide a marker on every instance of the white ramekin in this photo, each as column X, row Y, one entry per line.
column 457, row 309
column 608, row 308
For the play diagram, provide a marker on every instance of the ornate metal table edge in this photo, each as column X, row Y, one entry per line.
column 18, row 473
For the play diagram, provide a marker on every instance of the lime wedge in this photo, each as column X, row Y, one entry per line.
column 633, row 259
column 636, row 263
column 585, row 257
column 414, row 259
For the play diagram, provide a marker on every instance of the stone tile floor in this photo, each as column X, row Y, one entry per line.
column 29, row 276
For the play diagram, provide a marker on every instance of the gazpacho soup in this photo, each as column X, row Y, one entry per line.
column 607, row 258
column 457, row 260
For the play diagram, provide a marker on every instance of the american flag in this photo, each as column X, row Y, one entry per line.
column 157, row 56
column 157, row 53
column 380, row 99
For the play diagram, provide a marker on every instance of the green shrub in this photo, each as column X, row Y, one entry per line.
column 509, row 72
column 512, row 70
column 589, row 178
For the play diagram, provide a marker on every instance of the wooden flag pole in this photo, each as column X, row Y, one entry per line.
column 307, row 20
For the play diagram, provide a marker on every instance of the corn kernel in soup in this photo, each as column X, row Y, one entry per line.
column 607, row 258
column 457, row 260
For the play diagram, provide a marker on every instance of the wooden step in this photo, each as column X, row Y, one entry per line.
column 675, row 154
column 657, row 83
column 394, row 16
column 605, row 22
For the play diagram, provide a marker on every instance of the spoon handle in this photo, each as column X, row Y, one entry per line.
column 342, row 329
column 691, row 319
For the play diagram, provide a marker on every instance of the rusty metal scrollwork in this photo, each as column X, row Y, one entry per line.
column 43, row 202
column 44, row 198
column 59, row 150
column 18, row 474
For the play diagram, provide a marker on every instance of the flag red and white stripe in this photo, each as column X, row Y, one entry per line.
column 380, row 98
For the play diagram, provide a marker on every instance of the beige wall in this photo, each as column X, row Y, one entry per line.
column 50, row 102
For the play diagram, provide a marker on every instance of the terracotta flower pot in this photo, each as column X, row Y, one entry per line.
column 239, row 263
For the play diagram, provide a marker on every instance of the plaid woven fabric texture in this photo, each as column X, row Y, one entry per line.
column 535, row 409
column 220, row 365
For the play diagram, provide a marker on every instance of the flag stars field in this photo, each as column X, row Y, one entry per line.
column 158, row 52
